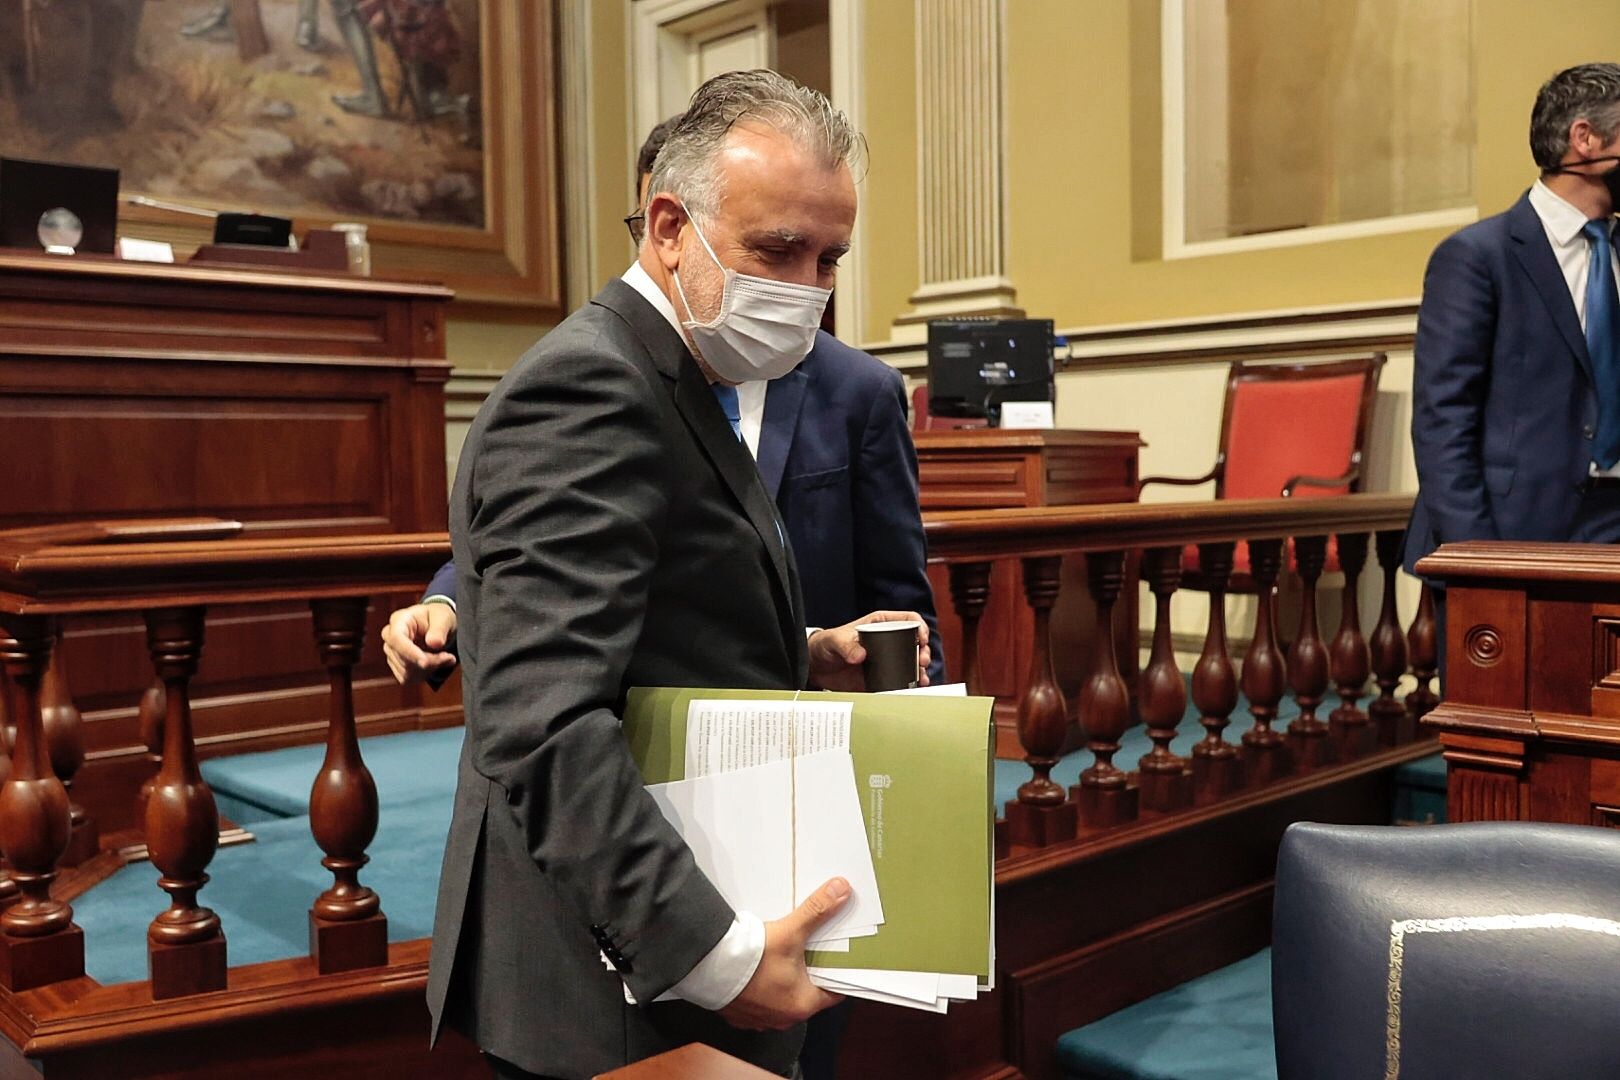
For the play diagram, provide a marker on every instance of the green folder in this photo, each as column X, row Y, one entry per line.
column 923, row 766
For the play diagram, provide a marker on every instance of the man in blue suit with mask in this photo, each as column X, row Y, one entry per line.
column 1516, row 384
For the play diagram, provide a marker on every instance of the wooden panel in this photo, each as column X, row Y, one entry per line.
column 298, row 405
column 1488, row 646
column 954, row 484
column 304, row 463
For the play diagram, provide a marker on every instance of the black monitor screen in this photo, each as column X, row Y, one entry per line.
column 976, row 364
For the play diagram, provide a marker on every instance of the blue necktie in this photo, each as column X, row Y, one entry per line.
column 1602, row 326
column 727, row 397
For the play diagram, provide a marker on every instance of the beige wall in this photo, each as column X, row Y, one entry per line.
column 1082, row 118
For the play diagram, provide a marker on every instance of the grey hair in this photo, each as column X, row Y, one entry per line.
column 687, row 166
column 1590, row 92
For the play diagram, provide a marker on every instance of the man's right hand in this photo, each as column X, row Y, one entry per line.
column 414, row 642
column 781, row 994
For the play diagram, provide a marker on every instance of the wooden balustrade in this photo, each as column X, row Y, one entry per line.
column 153, row 569
column 1162, row 783
column 1348, row 657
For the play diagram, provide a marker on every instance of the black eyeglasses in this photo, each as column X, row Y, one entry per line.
column 637, row 224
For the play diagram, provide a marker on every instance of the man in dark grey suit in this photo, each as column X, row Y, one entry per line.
column 610, row 530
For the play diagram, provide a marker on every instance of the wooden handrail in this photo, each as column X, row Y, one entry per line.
column 955, row 535
column 52, row 578
column 1502, row 560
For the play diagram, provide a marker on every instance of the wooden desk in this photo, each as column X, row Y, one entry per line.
column 695, row 1061
column 297, row 405
column 1530, row 723
column 982, row 469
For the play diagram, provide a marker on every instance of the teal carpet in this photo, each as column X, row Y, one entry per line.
column 1216, row 1027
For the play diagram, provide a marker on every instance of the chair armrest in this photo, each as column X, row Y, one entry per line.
column 1180, row 481
column 1321, row 481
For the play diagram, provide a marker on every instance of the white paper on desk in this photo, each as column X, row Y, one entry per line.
column 950, row 689
column 726, row 735
column 769, row 836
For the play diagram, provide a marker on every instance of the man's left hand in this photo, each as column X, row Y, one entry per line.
column 836, row 655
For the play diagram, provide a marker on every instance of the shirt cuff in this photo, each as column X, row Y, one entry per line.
column 440, row 598
column 812, row 631
column 719, row 977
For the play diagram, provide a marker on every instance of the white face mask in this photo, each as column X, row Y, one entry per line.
column 764, row 328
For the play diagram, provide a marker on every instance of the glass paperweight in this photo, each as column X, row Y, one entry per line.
column 60, row 231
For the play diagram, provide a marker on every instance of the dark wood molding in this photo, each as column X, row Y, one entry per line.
column 989, row 534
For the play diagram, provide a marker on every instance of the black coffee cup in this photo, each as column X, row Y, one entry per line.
column 893, row 655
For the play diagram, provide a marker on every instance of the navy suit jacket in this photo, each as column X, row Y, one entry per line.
column 836, row 454
column 1503, row 405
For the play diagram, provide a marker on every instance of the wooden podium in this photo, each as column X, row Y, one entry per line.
column 986, row 468
column 296, row 404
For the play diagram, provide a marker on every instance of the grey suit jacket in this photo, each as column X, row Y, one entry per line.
column 609, row 531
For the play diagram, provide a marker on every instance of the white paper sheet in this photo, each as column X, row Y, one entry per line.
column 726, row 735
column 769, row 836
column 951, row 689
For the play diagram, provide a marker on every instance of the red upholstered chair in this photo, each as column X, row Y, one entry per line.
column 1290, row 430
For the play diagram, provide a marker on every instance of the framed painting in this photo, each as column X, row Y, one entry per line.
column 432, row 121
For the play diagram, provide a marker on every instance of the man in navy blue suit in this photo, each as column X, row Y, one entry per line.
column 834, row 451
column 1516, row 383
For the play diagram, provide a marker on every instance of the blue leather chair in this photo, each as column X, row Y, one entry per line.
column 1471, row 951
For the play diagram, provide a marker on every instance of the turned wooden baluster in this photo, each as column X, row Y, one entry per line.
column 1165, row 780
column 1215, row 684
column 1423, row 648
column 1348, row 656
column 64, row 735
column 185, row 945
column 38, row 942
column 154, row 703
column 1388, row 646
column 8, row 887
column 1040, row 816
column 347, row 928
column 1264, row 672
column 1308, row 658
column 1105, row 796
column 970, row 591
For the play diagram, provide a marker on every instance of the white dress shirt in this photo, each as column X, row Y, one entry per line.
column 1564, row 225
column 720, row 976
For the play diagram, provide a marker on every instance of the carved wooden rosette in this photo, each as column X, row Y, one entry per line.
column 1216, row 768
column 347, row 928
column 1348, row 657
column 1308, row 658
column 38, row 942
column 185, row 945
column 1039, row 816
column 1105, row 796
column 1388, row 648
column 1165, row 779
column 1265, row 674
